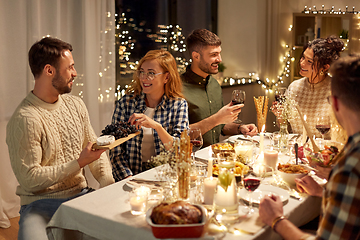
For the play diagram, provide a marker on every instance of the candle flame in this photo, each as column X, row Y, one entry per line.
column 263, row 128
column 305, row 117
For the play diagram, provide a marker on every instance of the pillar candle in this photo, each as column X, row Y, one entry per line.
column 210, row 167
column 209, row 190
column 262, row 139
column 271, row 157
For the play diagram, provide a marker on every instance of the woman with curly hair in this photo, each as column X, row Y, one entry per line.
column 153, row 103
column 311, row 91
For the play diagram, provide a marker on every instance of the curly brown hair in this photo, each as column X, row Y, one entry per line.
column 326, row 51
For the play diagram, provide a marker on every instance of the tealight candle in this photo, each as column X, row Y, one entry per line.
column 138, row 200
column 209, row 190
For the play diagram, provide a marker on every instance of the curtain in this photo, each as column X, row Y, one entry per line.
column 89, row 26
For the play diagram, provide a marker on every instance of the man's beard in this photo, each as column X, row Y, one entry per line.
column 60, row 84
column 206, row 68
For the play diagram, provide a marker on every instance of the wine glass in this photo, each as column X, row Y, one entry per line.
column 280, row 94
column 323, row 125
column 252, row 181
column 238, row 97
column 196, row 140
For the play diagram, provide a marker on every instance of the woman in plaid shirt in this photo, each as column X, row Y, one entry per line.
column 153, row 103
column 341, row 195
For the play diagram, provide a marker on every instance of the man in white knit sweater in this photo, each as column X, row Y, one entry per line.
column 49, row 138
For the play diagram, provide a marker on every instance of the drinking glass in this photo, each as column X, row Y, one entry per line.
column 238, row 97
column 280, row 94
column 252, row 181
column 323, row 125
column 196, row 140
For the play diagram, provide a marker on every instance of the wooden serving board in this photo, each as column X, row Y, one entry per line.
column 116, row 143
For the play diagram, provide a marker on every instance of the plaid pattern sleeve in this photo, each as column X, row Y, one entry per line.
column 172, row 114
column 341, row 201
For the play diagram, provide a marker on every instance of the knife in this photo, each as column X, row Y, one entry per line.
column 296, row 153
column 249, row 140
column 152, row 182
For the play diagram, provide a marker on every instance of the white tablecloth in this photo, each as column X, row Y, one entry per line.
column 105, row 214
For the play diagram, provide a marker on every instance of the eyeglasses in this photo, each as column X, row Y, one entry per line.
column 148, row 75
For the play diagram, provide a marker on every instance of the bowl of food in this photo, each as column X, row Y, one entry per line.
column 224, row 149
column 177, row 220
column 289, row 172
column 325, row 157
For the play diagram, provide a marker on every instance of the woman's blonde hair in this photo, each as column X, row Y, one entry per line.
column 173, row 87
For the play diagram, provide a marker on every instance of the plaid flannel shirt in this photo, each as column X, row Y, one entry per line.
column 172, row 114
column 341, row 199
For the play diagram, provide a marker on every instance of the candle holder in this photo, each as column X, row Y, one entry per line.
column 225, row 198
column 138, row 200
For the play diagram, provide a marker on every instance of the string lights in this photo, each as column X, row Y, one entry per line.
column 170, row 38
column 332, row 10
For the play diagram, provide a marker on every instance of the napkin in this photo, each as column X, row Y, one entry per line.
column 251, row 224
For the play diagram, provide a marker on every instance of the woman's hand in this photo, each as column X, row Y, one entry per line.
column 270, row 208
column 141, row 120
column 309, row 185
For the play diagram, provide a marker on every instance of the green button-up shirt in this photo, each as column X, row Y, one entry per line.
column 204, row 97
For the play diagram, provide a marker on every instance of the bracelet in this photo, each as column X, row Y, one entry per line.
column 276, row 221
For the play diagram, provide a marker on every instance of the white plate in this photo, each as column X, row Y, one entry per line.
column 263, row 190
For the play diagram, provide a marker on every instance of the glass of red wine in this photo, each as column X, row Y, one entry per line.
column 196, row 140
column 252, row 181
column 323, row 125
column 280, row 94
column 238, row 97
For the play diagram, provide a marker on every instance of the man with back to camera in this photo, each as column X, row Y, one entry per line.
column 340, row 218
column 49, row 138
column 204, row 94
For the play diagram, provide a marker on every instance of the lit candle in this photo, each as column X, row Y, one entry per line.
column 225, row 199
column 138, row 200
column 262, row 139
column 271, row 157
column 138, row 204
column 210, row 167
column 209, row 190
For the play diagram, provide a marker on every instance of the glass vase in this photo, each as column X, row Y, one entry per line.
column 225, row 198
column 283, row 137
column 184, row 169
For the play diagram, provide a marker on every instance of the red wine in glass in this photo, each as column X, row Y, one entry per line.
column 197, row 144
column 237, row 101
column 251, row 184
column 323, row 129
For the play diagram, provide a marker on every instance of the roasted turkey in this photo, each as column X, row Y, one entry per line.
column 179, row 212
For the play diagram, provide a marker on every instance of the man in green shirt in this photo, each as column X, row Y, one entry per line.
column 204, row 94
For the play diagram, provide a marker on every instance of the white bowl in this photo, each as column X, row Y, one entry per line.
column 289, row 178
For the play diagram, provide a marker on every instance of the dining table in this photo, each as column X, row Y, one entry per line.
column 105, row 213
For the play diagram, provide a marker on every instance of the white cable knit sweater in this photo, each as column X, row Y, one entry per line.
column 44, row 141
